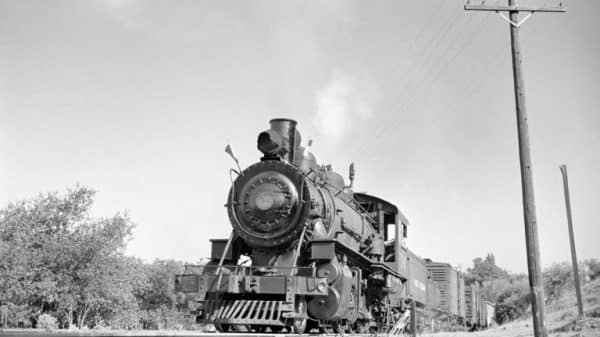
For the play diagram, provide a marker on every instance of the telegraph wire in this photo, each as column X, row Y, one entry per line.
column 421, row 90
column 384, row 128
column 472, row 84
column 412, row 65
column 429, row 49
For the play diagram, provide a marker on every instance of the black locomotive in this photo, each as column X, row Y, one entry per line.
column 307, row 252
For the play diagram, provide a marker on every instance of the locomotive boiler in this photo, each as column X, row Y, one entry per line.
column 306, row 251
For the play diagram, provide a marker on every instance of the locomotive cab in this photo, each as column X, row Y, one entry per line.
column 391, row 223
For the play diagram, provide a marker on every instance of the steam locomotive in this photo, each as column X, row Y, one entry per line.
column 307, row 252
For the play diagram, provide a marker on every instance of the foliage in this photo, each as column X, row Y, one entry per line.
column 57, row 262
column 511, row 292
column 15, row 315
column 517, row 293
column 167, row 318
column 592, row 267
column 46, row 321
column 129, row 318
column 486, row 269
column 557, row 278
column 158, row 291
column 34, row 235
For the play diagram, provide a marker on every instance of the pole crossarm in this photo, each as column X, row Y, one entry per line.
column 513, row 8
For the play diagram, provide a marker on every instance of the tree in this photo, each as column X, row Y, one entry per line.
column 55, row 257
column 97, row 275
column 30, row 231
column 57, row 261
column 486, row 269
column 162, row 306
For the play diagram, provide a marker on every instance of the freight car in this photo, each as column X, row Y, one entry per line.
column 461, row 304
column 476, row 311
column 317, row 255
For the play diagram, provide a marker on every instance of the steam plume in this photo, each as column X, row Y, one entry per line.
column 342, row 104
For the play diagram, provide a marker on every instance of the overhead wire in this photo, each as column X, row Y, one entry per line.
column 428, row 49
column 427, row 90
column 384, row 127
column 431, row 80
column 475, row 84
column 411, row 49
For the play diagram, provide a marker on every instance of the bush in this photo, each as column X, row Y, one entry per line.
column 46, row 321
column 593, row 268
column 557, row 278
column 512, row 301
column 125, row 320
column 507, row 312
column 17, row 316
column 515, row 291
column 166, row 318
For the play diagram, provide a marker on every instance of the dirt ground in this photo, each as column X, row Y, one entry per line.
column 591, row 328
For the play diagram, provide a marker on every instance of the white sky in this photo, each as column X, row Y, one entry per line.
column 138, row 99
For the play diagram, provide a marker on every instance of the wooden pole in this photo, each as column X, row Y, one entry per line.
column 534, row 265
column 563, row 170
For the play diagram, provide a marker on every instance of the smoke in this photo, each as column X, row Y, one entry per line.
column 344, row 103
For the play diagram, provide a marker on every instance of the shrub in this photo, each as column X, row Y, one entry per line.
column 512, row 301
column 128, row 319
column 557, row 278
column 507, row 312
column 593, row 268
column 178, row 320
column 46, row 321
column 169, row 319
column 17, row 316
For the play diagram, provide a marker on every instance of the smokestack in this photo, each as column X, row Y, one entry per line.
column 290, row 137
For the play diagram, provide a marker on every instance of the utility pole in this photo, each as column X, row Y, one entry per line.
column 531, row 235
column 563, row 170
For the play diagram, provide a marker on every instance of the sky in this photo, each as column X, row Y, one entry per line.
column 138, row 99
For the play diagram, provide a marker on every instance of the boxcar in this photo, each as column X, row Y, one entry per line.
column 447, row 279
column 433, row 294
column 472, row 304
column 416, row 288
column 461, row 295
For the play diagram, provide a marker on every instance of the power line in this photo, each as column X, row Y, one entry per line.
column 382, row 129
column 380, row 134
column 425, row 50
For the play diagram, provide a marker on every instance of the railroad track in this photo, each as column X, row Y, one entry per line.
column 144, row 333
